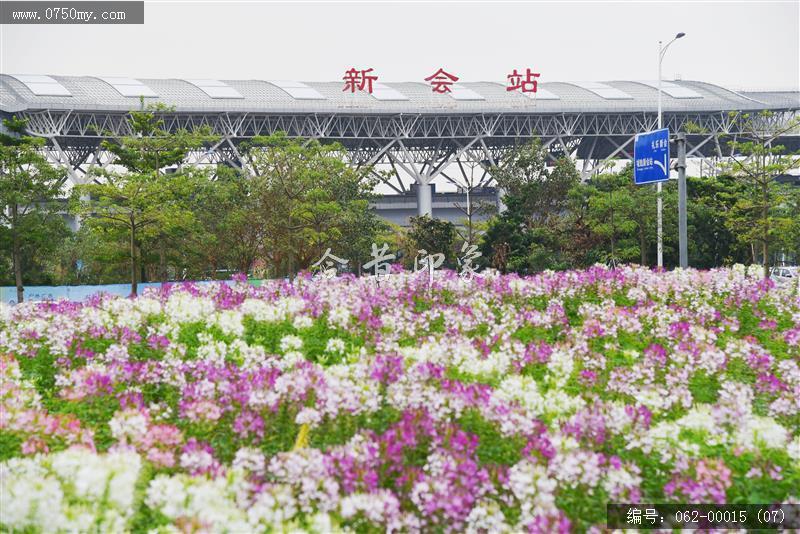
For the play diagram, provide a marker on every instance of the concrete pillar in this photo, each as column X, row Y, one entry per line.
column 424, row 202
column 683, row 241
column 501, row 207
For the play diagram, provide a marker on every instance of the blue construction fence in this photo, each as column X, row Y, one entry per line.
column 8, row 294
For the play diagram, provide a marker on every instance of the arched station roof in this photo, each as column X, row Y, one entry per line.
column 90, row 93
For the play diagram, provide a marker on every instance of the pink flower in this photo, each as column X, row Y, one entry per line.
column 33, row 445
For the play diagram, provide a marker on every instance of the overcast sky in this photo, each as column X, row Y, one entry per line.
column 753, row 45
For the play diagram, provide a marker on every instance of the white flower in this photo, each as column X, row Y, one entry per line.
column 230, row 322
column 533, row 488
column 486, row 516
column 339, row 317
column 335, row 346
column 273, row 507
column 308, row 416
column 302, row 321
column 128, row 425
column 250, row 459
column 260, row 310
column 793, row 449
column 168, row 495
column 72, row 490
column 196, row 460
column 185, row 308
column 654, row 398
column 560, row 366
column 147, row 306
column 30, row 498
column 290, row 343
column 755, row 432
column 290, row 359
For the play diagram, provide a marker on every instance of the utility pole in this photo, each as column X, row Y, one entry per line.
column 659, row 205
column 683, row 248
column 659, row 232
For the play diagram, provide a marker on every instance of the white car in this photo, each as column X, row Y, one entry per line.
column 784, row 274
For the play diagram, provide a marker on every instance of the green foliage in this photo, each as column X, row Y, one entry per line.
column 152, row 148
column 41, row 371
column 764, row 214
column 308, row 199
column 434, row 236
column 144, row 206
column 225, row 237
column 553, row 221
column 10, row 445
column 530, row 235
column 621, row 214
column 30, row 226
column 188, row 336
column 145, row 519
column 712, row 242
column 704, row 387
column 333, row 432
column 493, row 447
column 533, row 334
column 99, row 410
column 739, row 370
column 162, row 220
column 580, row 510
column 268, row 335
column 759, row 489
column 315, row 340
column 280, row 431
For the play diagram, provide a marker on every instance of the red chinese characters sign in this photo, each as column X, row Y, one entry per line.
column 441, row 81
column 358, row 80
column 522, row 82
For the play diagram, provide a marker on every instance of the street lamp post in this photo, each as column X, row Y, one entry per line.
column 659, row 206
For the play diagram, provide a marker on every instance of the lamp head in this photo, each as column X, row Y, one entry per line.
column 681, row 34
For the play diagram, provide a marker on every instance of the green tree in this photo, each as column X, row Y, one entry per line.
column 29, row 191
column 622, row 215
column 791, row 241
column 231, row 235
column 531, row 234
column 611, row 205
column 434, row 236
column 711, row 241
column 309, row 199
column 584, row 247
column 759, row 217
column 75, row 261
column 143, row 201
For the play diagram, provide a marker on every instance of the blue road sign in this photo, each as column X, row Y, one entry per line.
column 651, row 157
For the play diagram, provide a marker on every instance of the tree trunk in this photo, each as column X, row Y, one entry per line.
column 162, row 263
column 245, row 264
column 134, row 289
column 16, row 254
column 643, row 246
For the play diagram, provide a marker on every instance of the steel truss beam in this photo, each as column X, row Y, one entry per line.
column 402, row 147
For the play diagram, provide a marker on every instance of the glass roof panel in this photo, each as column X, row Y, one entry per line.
column 215, row 88
column 543, row 94
column 460, row 92
column 128, row 86
column 298, row 90
column 41, row 85
column 603, row 90
column 672, row 89
column 384, row 92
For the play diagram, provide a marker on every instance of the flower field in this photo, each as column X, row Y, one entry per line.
column 497, row 404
